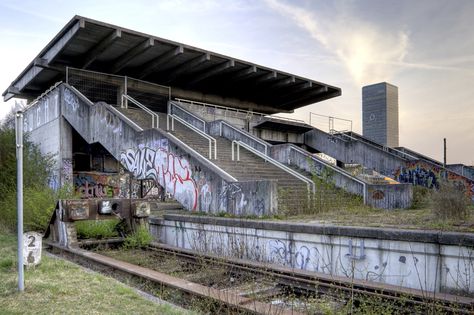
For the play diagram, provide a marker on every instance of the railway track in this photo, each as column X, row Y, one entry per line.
column 285, row 279
column 326, row 284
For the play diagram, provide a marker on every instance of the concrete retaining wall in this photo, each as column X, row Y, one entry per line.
column 290, row 155
column 431, row 261
column 354, row 152
column 380, row 196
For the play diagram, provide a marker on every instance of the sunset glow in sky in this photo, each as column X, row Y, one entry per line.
column 425, row 47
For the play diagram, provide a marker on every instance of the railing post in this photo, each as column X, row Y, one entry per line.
column 210, row 149
column 215, row 149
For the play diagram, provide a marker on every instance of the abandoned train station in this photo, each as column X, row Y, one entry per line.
column 128, row 114
column 132, row 116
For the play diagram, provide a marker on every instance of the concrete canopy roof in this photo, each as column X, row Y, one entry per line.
column 92, row 45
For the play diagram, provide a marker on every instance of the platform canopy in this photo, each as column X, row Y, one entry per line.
column 206, row 76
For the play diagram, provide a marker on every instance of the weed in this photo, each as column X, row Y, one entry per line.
column 140, row 238
column 421, row 197
column 96, row 228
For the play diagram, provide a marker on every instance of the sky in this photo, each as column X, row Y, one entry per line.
column 425, row 47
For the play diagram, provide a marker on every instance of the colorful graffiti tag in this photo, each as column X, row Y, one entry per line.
column 170, row 171
column 428, row 175
column 96, row 185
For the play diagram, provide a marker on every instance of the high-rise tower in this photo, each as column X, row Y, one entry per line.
column 380, row 113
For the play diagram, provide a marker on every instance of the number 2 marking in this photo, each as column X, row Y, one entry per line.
column 32, row 243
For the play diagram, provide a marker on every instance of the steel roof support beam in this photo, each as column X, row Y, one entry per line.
column 152, row 65
column 125, row 59
column 99, row 48
column 321, row 92
column 213, row 71
column 186, row 66
column 280, row 83
column 266, row 77
column 300, row 88
column 244, row 73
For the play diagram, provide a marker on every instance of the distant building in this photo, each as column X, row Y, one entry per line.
column 380, row 113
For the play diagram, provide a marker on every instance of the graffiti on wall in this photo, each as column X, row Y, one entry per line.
column 170, row 171
column 109, row 120
column 42, row 112
column 71, row 100
column 428, row 175
column 96, row 185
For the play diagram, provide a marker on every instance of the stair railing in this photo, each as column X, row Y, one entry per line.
column 201, row 133
column 334, row 168
column 155, row 122
column 223, row 173
column 392, row 151
column 245, row 134
column 173, row 105
column 310, row 184
column 248, row 113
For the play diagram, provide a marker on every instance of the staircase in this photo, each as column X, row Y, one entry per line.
column 293, row 193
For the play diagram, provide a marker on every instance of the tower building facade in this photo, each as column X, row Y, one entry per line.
column 380, row 113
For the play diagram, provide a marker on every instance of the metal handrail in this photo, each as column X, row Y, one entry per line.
column 155, row 121
column 342, row 172
column 181, row 100
column 384, row 148
column 201, row 133
column 330, row 121
column 245, row 133
column 190, row 114
column 176, row 139
column 125, row 118
column 239, row 143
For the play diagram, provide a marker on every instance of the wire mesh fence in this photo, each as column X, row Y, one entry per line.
column 102, row 87
column 330, row 124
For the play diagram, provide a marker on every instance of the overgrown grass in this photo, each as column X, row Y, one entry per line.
column 449, row 203
column 96, row 228
column 60, row 287
column 140, row 238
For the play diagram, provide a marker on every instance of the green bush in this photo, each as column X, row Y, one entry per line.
column 450, row 202
column 97, row 229
column 38, row 198
column 140, row 238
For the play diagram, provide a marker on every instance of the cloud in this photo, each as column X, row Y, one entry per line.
column 369, row 53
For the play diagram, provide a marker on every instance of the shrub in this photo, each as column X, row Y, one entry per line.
column 449, row 202
column 421, row 197
column 140, row 238
column 38, row 198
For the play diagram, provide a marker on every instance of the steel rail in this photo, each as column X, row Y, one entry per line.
column 226, row 297
column 315, row 282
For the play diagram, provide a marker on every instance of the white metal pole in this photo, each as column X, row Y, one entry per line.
column 19, row 169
